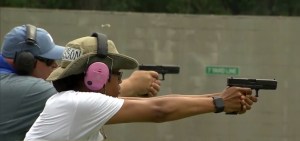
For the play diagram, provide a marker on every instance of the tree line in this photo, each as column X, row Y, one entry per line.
column 217, row 7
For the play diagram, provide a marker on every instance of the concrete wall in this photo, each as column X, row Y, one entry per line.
column 260, row 47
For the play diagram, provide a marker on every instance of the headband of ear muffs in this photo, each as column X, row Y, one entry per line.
column 25, row 61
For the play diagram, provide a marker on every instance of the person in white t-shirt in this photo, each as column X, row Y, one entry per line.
column 88, row 82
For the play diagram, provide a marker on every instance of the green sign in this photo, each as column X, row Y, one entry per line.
column 222, row 70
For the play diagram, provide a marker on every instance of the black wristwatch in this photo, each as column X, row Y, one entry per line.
column 219, row 104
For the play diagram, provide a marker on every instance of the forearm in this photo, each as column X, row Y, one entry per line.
column 198, row 95
column 185, row 106
column 132, row 98
column 172, row 95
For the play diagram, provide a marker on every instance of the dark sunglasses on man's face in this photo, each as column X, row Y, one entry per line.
column 117, row 73
column 48, row 62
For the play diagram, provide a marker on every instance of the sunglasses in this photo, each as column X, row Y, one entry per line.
column 48, row 62
column 117, row 73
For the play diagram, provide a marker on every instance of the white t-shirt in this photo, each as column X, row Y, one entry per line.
column 74, row 116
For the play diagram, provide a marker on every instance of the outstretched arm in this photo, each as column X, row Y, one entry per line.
column 168, row 108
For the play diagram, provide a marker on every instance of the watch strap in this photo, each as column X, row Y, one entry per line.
column 219, row 104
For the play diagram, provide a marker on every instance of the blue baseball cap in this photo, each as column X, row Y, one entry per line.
column 15, row 41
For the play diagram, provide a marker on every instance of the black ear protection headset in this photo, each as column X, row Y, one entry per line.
column 25, row 61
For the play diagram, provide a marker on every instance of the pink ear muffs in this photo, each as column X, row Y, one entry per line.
column 96, row 76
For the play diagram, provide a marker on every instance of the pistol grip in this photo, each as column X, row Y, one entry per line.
column 256, row 92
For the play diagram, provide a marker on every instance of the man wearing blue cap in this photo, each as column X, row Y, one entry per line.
column 26, row 51
column 27, row 58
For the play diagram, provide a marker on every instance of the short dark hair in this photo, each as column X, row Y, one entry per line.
column 71, row 82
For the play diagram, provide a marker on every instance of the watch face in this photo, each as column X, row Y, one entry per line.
column 219, row 104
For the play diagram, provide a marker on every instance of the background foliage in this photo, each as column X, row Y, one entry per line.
column 218, row 7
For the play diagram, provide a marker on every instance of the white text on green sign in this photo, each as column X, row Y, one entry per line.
column 222, row 70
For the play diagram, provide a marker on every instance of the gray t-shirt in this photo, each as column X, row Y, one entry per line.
column 22, row 99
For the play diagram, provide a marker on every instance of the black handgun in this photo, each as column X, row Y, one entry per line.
column 161, row 69
column 256, row 84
